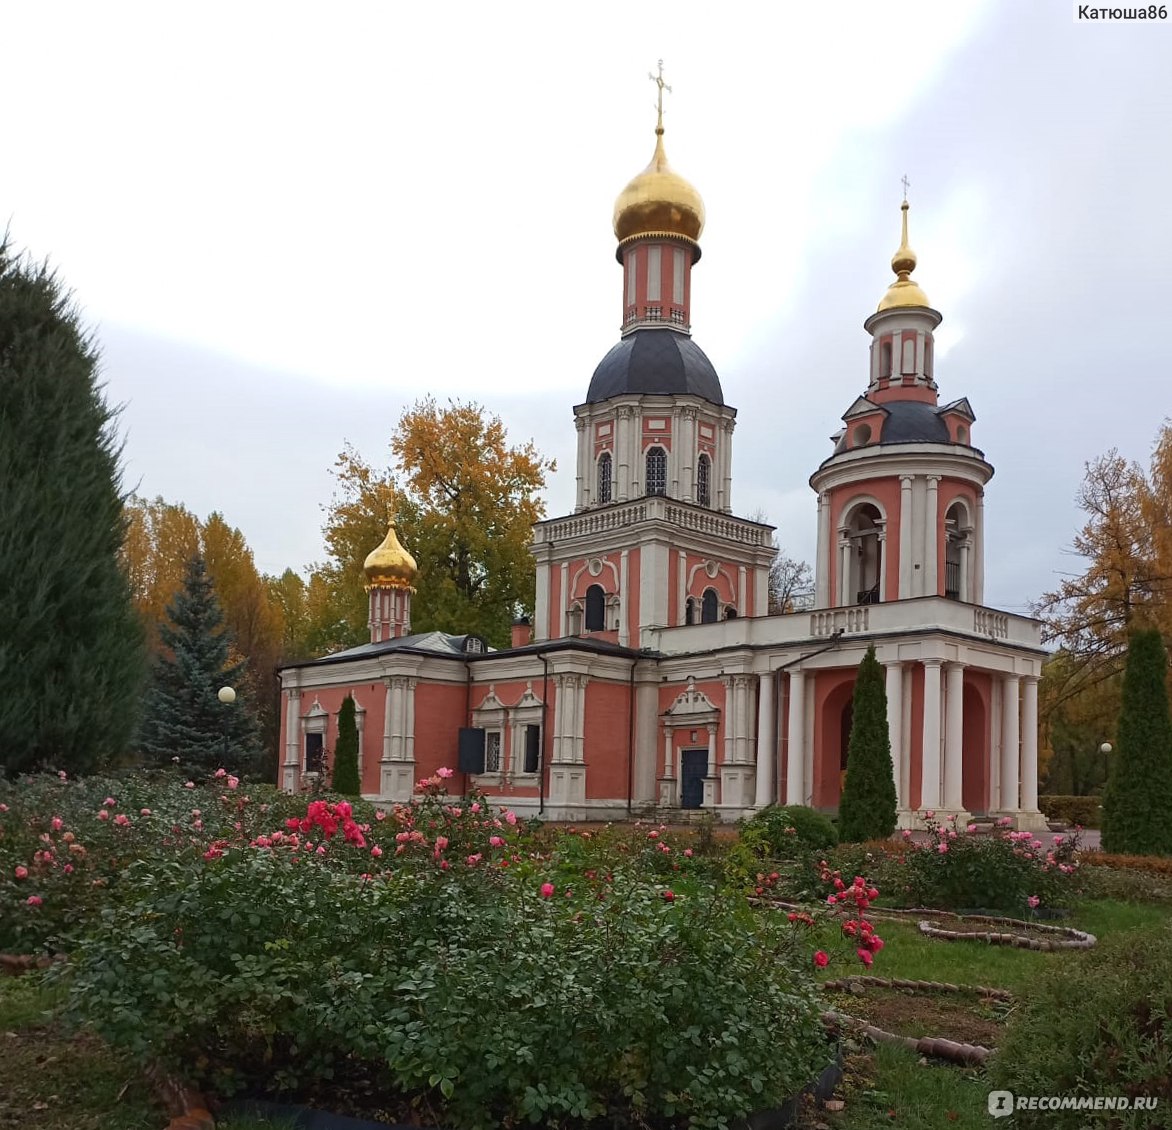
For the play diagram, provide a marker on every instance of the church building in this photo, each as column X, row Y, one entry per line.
column 653, row 679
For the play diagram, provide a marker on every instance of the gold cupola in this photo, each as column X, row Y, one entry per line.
column 658, row 202
column 390, row 566
column 904, row 291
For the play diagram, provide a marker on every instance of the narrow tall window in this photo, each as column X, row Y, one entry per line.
column 909, row 355
column 710, row 607
column 885, row 359
column 704, row 481
column 654, row 273
column 604, row 477
column 631, row 260
column 928, row 358
column 595, row 609
column 656, row 466
column 690, row 610
column 677, row 277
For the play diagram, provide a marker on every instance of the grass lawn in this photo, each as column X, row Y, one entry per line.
column 889, row 1086
column 52, row 1079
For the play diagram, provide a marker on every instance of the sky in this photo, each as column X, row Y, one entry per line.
column 286, row 222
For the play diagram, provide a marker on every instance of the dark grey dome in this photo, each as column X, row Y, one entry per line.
column 912, row 421
column 655, row 362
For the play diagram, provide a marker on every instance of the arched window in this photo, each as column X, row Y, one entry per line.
column 730, row 613
column 690, row 610
column 604, row 477
column 710, row 607
column 866, row 555
column 704, row 481
column 885, row 359
column 656, row 465
column 595, row 609
column 956, row 551
column 928, row 358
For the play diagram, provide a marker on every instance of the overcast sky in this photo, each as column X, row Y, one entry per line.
column 288, row 221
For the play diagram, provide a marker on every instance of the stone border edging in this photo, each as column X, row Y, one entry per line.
column 1068, row 937
column 14, row 964
column 871, row 982
column 967, row 1055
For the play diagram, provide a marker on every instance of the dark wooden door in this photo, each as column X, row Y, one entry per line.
column 693, row 770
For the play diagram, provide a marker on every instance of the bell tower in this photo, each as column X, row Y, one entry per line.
column 901, row 500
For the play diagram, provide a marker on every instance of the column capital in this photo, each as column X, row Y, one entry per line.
column 1029, row 680
column 932, row 662
column 580, row 423
column 905, row 481
column 933, row 480
column 956, row 665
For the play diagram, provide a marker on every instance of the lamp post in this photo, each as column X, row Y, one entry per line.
column 227, row 696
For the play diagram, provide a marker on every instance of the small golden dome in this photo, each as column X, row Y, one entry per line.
column 903, row 292
column 658, row 202
column 390, row 566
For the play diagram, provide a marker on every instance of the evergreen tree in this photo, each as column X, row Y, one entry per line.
column 346, row 779
column 866, row 810
column 184, row 715
column 72, row 659
column 1137, row 804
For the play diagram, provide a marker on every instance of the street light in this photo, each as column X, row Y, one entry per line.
column 1105, row 748
column 227, row 696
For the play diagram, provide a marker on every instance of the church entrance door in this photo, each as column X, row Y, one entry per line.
column 693, row 770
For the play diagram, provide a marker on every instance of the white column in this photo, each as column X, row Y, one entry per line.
column 954, row 739
column 766, row 747
column 895, row 726
column 675, row 458
column 682, row 588
column 541, row 602
column 564, row 610
column 978, row 565
column 667, row 740
column 760, row 591
column 409, row 686
column 881, row 539
column 292, row 769
column 906, row 521
column 845, row 596
column 1010, row 740
column 795, row 786
column 622, row 445
column 726, row 462
column 741, row 601
column 995, row 727
column 624, row 600
column 741, row 690
column 388, row 716
column 822, row 557
column 686, row 440
column 360, row 726
column 730, row 719
column 905, row 768
column 1029, row 744
column 930, row 757
column 965, row 547
column 584, row 463
column 931, row 529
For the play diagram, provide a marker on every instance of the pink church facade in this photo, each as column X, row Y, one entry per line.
column 653, row 679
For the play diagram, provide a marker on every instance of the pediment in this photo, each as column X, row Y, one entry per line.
column 961, row 407
column 862, row 407
column 690, row 703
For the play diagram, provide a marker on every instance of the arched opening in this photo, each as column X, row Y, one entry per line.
column 595, row 609
column 704, row 481
column 975, row 753
column 956, row 550
column 656, row 468
column 866, row 555
column 730, row 613
column 885, row 359
column 604, row 477
column 690, row 610
column 709, row 607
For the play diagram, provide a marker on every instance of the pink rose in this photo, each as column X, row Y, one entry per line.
column 669, row 896
column 971, row 828
column 441, row 842
column 865, row 957
column 821, row 959
column 687, row 853
column 547, row 890
column 21, row 871
column 376, row 851
column 1032, row 902
column 444, row 773
column 34, row 900
column 233, row 782
column 510, row 818
column 144, row 812
column 474, row 808
column 906, row 833
column 496, row 841
column 122, row 820
column 221, row 773
column 380, row 815
column 189, row 785
column 103, row 815
column 941, row 847
column 56, row 823
column 474, row 859
column 110, row 802
column 68, row 869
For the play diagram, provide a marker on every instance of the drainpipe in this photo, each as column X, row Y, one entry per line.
column 467, row 711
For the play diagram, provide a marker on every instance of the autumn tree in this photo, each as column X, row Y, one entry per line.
column 1126, row 546
column 465, row 500
column 791, row 582
column 71, row 652
column 866, row 810
column 1137, row 803
column 1074, row 728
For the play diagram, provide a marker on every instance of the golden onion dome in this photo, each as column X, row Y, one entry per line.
column 658, row 202
column 904, row 291
column 390, row 566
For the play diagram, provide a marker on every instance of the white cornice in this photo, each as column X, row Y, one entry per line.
column 895, row 459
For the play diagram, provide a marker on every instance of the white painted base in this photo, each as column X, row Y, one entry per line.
column 1028, row 821
column 397, row 781
column 738, row 785
column 567, row 783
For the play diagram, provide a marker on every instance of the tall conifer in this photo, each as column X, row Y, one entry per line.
column 866, row 810
column 72, row 659
column 184, row 715
column 1137, row 803
column 345, row 779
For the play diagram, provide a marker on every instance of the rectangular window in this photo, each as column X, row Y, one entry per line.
column 654, row 273
column 492, row 751
column 314, row 753
column 631, row 278
column 677, row 278
column 532, row 748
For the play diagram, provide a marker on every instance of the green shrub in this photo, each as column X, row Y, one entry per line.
column 866, row 810
column 345, row 779
column 1085, row 811
column 1098, row 1024
column 788, row 831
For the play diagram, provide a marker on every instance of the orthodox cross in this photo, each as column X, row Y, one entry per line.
column 658, row 80
column 906, row 185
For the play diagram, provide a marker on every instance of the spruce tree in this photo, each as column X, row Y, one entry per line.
column 1137, row 803
column 72, row 657
column 346, row 779
column 866, row 810
column 185, row 718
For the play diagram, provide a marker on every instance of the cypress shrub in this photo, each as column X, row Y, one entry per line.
column 866, row 810
column 346, row 779
column 1137, row 803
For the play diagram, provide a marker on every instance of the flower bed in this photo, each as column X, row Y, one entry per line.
column 1021, row 935
column 439, row 955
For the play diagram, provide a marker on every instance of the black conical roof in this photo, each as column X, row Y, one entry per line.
column 657, row 363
